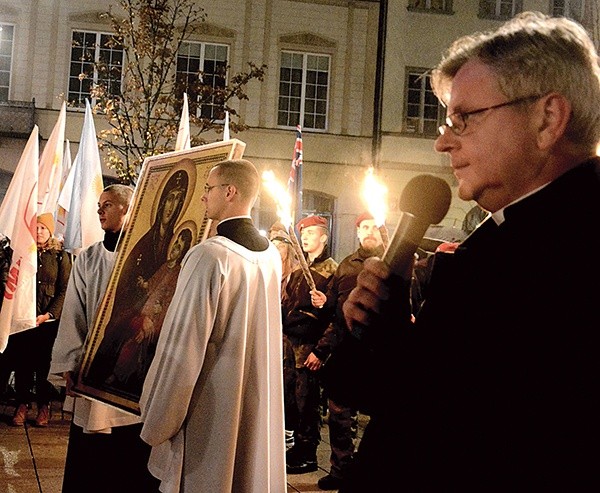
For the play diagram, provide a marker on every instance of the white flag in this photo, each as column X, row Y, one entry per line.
column 183, row 135
column 226, row 127
column 51, row 162
column 64, row 198
column 18, row 221
column 83, row 227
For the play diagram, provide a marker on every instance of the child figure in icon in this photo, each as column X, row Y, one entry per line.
column 137, row 352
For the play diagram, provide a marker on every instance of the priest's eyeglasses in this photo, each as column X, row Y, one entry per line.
column 208, row 188
column 457, row 122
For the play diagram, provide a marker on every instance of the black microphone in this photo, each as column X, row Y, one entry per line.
column 425, row 200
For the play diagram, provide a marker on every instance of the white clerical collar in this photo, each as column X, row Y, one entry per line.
column 498, row 216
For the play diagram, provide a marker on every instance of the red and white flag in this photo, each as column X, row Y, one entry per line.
column 51, row 162
column 18, row 221
column 183, row 135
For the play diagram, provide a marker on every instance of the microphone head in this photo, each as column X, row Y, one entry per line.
column 426, row 197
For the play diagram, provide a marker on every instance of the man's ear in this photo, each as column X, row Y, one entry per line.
column 324, row 238
column 553, row 119
column 231, row 191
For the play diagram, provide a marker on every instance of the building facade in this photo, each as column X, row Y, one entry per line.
column 323, row 72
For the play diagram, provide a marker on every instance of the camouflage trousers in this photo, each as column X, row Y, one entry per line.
column 343, row 428
column 302, row 403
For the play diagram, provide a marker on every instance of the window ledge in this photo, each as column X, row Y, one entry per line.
column 418, row 10
column 17, row 118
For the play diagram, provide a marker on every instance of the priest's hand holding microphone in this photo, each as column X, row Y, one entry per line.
column 425, row 200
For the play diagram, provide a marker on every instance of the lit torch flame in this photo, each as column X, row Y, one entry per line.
column 281, row 197
column 283, row 202
column 375, row 195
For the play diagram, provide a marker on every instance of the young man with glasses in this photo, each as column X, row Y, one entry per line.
column 212, row 402
column 497, row 378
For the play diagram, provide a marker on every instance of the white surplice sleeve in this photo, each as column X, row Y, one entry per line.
column 182, row 347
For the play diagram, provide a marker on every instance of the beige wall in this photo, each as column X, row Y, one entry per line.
column 335, row 162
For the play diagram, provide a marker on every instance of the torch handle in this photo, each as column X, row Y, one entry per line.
column 385, row 237
column 301, row 259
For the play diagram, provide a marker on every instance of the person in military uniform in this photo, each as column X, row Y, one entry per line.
column 343, row 413
column 304, row 324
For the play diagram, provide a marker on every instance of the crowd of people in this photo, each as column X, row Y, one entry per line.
column 476, row 370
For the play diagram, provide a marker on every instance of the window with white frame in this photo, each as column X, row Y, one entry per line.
column 201, row 65
column 423, row 113
column 6, row 49
column 431, row 5
column 499, row 9
column 96, row 59
column 568, row 8
column 303, row 90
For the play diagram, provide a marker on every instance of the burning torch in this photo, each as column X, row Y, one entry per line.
column 283, row 201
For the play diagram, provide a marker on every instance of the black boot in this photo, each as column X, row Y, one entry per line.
column 301, row 458
column 329, row 482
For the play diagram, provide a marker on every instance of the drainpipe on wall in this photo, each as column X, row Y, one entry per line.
column 379, row 78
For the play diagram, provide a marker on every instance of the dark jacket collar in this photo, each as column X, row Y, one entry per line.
column 110, row 240
column 321, row 258
column 550, row 203
column 362, row 254
column 552, row 196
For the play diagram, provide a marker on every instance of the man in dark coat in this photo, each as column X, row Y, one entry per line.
column 343, row 413
column 497, row 380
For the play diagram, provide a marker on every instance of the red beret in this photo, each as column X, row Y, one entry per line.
column 362, row 217
column 311, row 221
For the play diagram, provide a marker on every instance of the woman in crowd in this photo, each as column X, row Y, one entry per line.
column 30, row 351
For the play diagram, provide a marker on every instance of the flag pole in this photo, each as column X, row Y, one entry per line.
column 301, row 258
column 295, row 179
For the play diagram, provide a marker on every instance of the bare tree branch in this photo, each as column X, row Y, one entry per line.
column 143, row 118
